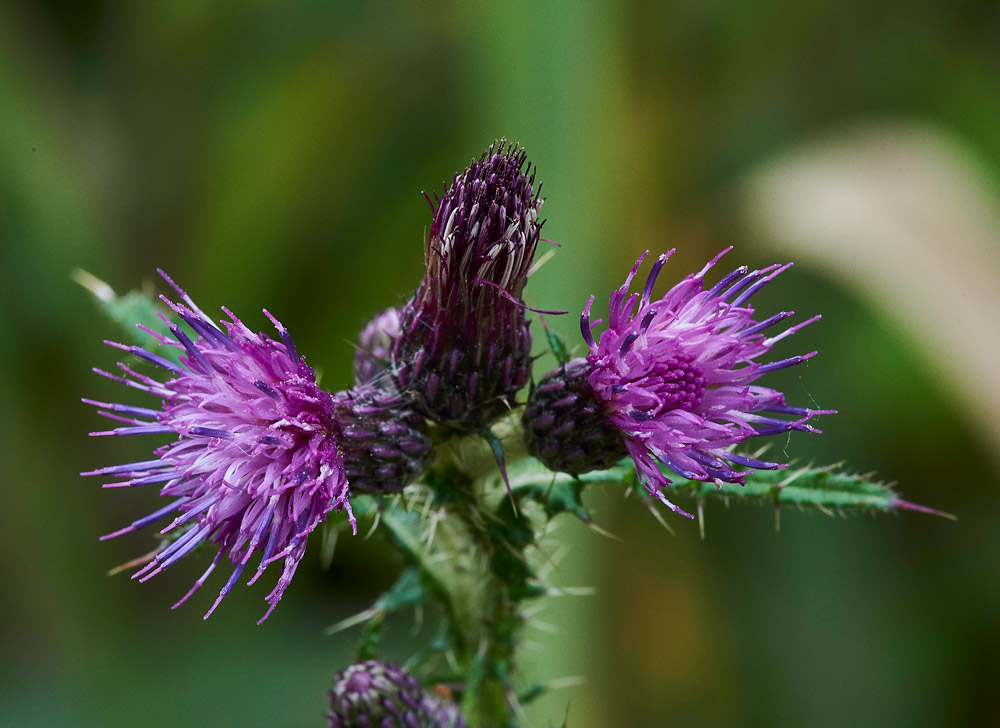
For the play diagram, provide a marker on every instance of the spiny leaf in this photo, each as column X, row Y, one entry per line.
column 556, row 493
column 407, row 591
column 560, row 492
column 824, row 488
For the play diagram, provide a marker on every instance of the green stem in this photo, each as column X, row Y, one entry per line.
column 490, row 667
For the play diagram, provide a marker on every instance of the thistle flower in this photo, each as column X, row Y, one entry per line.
column 464, row 347
column 256, row 464
column 672, row 381
column 373, row 356
column 382, row 695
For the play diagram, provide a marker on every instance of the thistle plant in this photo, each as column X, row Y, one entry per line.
column 449, row 446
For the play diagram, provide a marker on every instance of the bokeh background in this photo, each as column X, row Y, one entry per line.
column 273, row 154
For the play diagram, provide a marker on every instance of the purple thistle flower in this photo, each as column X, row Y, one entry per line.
column 256, row 464
column 673, row 380
column 381, row 695
column 464, row 348
column 373, row 356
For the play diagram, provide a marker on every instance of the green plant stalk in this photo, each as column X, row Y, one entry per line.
column 485, row 543
column 492, row 635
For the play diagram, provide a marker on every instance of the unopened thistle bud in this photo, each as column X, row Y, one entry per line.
column 464, row 344
column 381, row 695
column 374, row 353
column 674, row 379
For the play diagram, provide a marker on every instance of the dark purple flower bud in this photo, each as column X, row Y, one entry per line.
column 256, row 463
column 464, row 347
column 381, row 695
column 565, row 425
column 373, row 357
column 384, row 441
column 675, row 379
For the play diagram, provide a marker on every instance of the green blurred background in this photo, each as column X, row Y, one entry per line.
column 273, row 154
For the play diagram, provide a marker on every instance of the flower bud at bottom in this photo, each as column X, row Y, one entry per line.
column 382, row 695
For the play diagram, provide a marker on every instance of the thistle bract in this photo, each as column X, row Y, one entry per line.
column 255, row 464
column 675, row 377
column 382, row 695
column 383, row 439
column 464, row 344
column 565, row 425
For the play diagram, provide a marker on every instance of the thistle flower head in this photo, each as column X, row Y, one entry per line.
column 677, row 374
column 255, row 465
column 382, row 695
column 372, row 358
column 464, row 346
column 674, row 378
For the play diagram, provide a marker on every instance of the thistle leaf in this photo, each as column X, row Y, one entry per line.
column 407, row 591
column 557, row 344
column 826, row 489
column 823, row 488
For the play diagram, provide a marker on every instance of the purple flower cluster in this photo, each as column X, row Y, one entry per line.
column 381, row 695
column 373, row 358
column 261, row 455
column 670, row 382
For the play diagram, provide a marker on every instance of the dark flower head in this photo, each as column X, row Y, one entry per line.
column 373, row 356
column 383, row 439
column 565, row 425
column 675, row 378
column 256, row 463
column 464, row 346
column 381, row 695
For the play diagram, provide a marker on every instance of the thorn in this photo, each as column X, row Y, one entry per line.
column 597, row 529
column 924, row 509
column 825, row 511
column 497, row 447
column 98, row 288
column 351, row 621
column 144, row 559
column 542, row 260
column 329, row 547
column 659, row 516
column 375, row 522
